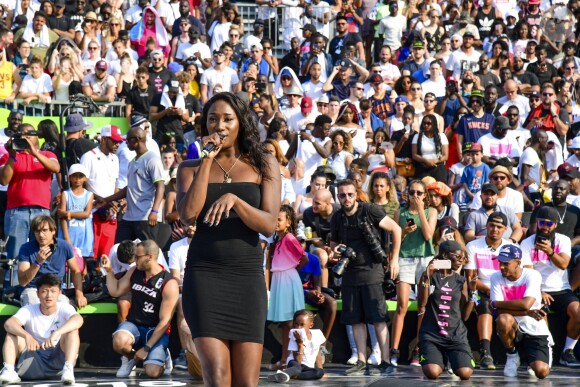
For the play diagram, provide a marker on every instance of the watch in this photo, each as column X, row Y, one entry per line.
column 147, row 348
column 554, row 115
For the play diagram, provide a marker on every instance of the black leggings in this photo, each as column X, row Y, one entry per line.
column 301, row 372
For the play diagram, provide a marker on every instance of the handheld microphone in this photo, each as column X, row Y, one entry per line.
column 207, row 149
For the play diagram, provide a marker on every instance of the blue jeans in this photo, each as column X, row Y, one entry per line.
column 140, row 336
column 17, row 229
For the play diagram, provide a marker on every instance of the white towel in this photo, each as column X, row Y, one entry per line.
column 179, row 101
column 30, row 36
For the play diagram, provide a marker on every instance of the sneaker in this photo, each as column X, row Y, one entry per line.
column 386, row 369
column 168, row 363
column 9, row 376
column 531, row 372
column 127, row 367
column 325, row 354
column 180, row 361
column 568, row 359
column 274, row 366
column 353, row 358
column 374, row 359
column 415, row 358
column 486, row 361
column 511, row 365
column 357, row 370
column 67, row 374
column 395, row 357
column 279, row 377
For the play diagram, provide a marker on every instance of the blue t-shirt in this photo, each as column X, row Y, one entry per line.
column 55, row 264
column 474, row 177
column 311, row 269
column 472, row 127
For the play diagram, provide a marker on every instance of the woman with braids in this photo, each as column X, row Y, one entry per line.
column 285, row 257
column 232, row 195
column 430, row 150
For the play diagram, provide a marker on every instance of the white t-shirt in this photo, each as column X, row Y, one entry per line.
column 42, row 84
column 482, row 258
column 389, row 71
column 392, row 27
column 554, row 279
column 573, row 160
column 99, row 88
column 185, row 50
column 41, row 326
column 178, row 256
column 226, row 78
column 103, row 172
column 306, row 151
column 428, row 145
column 459, row 61
column 528, row 285
column 512, row 199
column 435, row 87
column 530, row 157
column 497, row 148
column 521, row 135
column 521, row 102
column 313, row 90
column 298, row 121
column 311, row 347
column 133, row 14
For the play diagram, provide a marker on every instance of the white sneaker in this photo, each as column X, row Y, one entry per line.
column 531, row 372
column 279, row 377
column 67, row 374
column 511, row 365
column 168, row 363
column 9, row 376
column 127, row 367
column 353, row 358
column 374, row 359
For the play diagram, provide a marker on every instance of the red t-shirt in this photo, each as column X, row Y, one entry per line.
column 30, row 183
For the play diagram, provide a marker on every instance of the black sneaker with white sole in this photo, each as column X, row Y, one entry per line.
column 356, row 370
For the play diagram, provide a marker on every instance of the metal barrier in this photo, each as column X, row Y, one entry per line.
column 53, row 108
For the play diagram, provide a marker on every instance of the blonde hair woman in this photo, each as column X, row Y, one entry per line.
column 109, row 34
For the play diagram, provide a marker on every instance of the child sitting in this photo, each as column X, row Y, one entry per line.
column 304, row 361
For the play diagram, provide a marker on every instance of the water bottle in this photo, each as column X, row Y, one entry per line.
column 300, row 227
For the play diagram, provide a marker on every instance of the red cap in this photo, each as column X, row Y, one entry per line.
column 113, row 132
column 306, row 104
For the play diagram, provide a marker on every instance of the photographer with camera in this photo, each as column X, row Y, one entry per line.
column 355, row 239
column 47, row 254
column 27, row 171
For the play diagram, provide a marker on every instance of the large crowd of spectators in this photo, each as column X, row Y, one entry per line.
column 474, row 106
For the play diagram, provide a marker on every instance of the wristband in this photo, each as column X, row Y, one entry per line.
column 37, row 263
column 551, row 255
column 155, row 211
column 147, row 348
column 68, row 215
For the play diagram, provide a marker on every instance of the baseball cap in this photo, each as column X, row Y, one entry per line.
column 375, row 78
column 575, row 143
column 327, row 170
column 532, row 2
column 306, row 104
column 418, row 44
column 501, row 123
column 476, row 147
column 60, row 3
column 101, row 65
column 344, row 64
column 401, row 98
column 323, row 98
column 309, row 27
column 497, row 217
column 113, row 132
column 489, row 187
column 155, row 53
column 448, row 222
column 173, row 86
column 78, row 168
column 500, row 169
column 509, row 252
column 286, row 73
column 476, row 94
column 550, row 213
column 218, row 52
column 174, row 67
column 258, row 45
column 468, row 34
column 294, row 90
column 466, row 146
column 449, row 247
column 259, row 21
column 568, row 170
column 534, row 93
column 441, row 188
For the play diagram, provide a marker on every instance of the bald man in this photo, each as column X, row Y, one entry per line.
column 318, row 218
column 144, row 191
column 512, row 97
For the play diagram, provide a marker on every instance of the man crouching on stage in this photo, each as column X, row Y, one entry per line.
column 154, row 293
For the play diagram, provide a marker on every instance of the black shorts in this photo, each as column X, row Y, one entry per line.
column 458, row 354
column 534, row 348
column 561, row 301
column 363, row 304
column 483, row 307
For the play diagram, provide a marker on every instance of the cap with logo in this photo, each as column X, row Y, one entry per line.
column 508, row 253
column 547, row 212
column 113, row 132
column 401, row 98
column 489, row 187
column 418, row 45
column 476, row 147
column 173, row 86
column 568, row 170
column 448, row 222
column 101, row 65
column 343, row 63
column 306, row 104
column 497, row 217
column 476, row 94
column 375, row 78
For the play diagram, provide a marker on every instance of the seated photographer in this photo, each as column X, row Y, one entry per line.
column 46, row 254
column 45, row 337
column 443, row 295
column 355, row 239
column 550, row 253
column 516, row 302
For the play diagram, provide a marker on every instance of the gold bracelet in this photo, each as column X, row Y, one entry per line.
column 425, row 284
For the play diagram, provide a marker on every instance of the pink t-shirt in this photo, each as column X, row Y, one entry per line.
column 287, row 253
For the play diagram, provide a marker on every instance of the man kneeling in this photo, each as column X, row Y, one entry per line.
column 154, row 294
column 45, row 336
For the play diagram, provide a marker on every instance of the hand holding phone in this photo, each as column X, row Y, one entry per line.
column 442, row 264
column 410, row 222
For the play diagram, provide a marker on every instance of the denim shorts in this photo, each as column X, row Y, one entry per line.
column 140, row 336
column 411, row 269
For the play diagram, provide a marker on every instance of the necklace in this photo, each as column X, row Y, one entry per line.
column 563, row 216
column 227, row 178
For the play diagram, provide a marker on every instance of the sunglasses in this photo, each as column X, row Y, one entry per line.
column 429, row 100
column 93, row 48
column 286, row 78
column 358, row 88
column 343, row 195
column 234, row 36
column 498, row 177
column 415, row 89
column 547, row 94
column 416, row 193
column 545, row 223
column 337, row 143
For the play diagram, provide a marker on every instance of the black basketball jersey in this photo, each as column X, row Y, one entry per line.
column 484, row 21
column 146, row 297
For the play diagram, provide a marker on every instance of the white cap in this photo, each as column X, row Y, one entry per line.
column 323, row 98
column 78, row 168
column 575, row 143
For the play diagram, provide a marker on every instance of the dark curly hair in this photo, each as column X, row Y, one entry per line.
column 436, row 137
column 248, row 138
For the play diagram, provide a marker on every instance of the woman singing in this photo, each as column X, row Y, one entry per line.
column 232, row 195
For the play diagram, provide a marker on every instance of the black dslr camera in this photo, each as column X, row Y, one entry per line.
column 18, row 141
column 346, row 255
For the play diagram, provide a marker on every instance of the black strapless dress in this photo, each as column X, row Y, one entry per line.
column 224, row 290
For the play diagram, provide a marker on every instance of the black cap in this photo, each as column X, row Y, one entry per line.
column 489, row 187
column 497, row 217
column 309, row 27
column 449, row 247
column 549, row 213
column 343, row 63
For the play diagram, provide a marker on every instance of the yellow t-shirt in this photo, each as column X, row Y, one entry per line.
column 6, row 79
